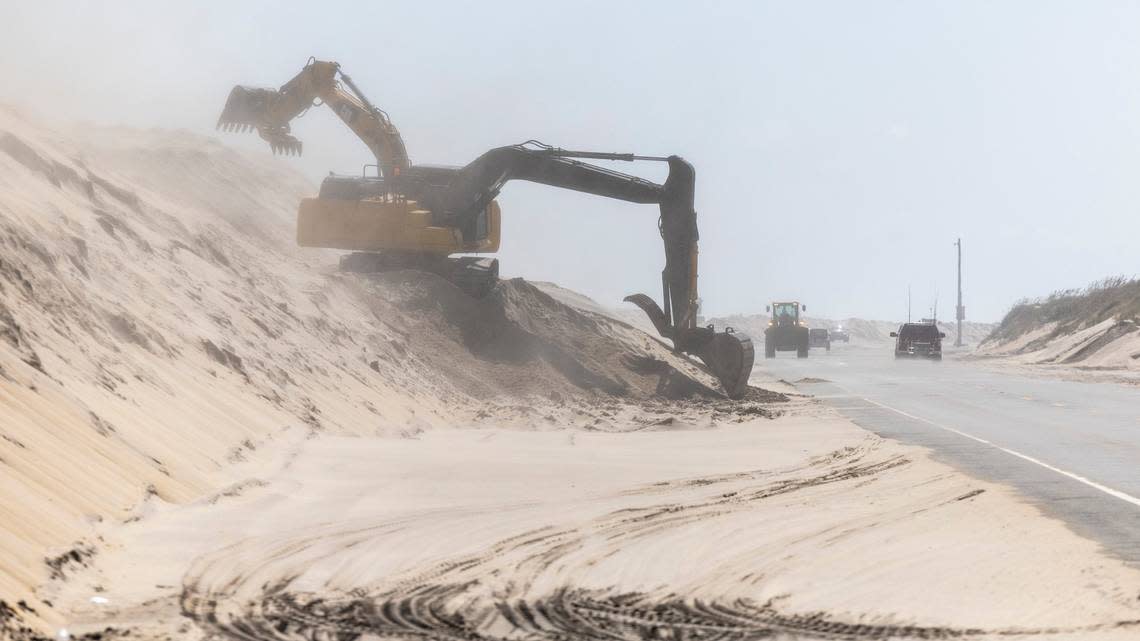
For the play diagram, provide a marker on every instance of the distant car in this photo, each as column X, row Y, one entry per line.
column 918, row 340
column 840, row 334
column 819, row 338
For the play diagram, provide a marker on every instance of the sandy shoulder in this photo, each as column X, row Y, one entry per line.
column 807, row 514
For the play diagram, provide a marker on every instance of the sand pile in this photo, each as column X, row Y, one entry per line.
column 157, row 325
column 527, row 342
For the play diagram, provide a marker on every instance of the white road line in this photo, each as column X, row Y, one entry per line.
column 1076, row 477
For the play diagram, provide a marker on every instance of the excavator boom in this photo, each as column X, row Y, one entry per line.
column 270, row 111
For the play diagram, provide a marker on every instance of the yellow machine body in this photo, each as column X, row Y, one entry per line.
column 378, row 225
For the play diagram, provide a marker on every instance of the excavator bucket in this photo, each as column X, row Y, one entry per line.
column 249, row 108
column 728, row 355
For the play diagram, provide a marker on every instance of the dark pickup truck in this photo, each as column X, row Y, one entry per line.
column 918, row 340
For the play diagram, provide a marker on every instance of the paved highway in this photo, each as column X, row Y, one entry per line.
column 1071, row 448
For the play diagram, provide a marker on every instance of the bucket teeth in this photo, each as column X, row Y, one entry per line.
column 247, row 108
column 235, row 127
column 251, row 109
column 286, row 146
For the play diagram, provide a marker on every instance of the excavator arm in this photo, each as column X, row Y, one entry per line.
column 729, row 355
column 480, row 182
column 270, row 111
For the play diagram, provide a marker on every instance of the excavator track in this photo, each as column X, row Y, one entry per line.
column 474, row 275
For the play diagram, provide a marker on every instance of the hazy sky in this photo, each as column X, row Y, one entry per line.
column 840, row 146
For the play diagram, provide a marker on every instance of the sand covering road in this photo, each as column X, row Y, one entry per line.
column 206, row 431
column 746, row 530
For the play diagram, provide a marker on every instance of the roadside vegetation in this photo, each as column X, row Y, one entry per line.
column 1071, row 309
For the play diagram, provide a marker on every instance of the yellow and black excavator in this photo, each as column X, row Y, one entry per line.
column 419, row 216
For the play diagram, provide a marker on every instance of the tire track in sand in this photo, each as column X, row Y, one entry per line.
column 248, row 591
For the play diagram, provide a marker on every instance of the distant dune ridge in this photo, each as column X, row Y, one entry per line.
column 1091, row 328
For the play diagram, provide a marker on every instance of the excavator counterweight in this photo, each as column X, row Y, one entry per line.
column 418, row 216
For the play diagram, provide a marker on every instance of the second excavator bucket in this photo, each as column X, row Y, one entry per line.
column 249, row 108
column 246, row 108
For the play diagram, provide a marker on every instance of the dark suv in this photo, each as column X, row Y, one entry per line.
column 819, row 338
column 918, row 340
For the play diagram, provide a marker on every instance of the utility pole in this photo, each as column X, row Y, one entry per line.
column 961, row 311
column 908, row 303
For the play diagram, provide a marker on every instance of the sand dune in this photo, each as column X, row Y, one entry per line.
column 208, row 433
column 1083, row 334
